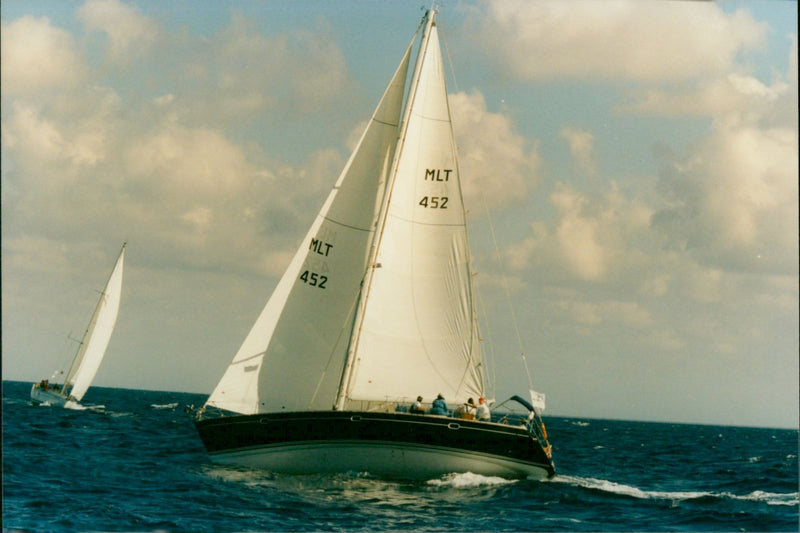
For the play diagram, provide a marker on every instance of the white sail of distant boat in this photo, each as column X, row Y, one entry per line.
column 375, row 309
column 92, row 347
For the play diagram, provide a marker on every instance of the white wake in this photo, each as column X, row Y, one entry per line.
column 770, row 498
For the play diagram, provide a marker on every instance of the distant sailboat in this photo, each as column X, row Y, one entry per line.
column 92, row 348
column 375, row 308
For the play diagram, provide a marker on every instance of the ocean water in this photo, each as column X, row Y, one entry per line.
column 132, row 461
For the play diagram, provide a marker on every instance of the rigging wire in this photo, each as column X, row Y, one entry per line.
column 507, row 290
column 449, row 59
column 487, row 376
column 488, row 354
column 494, row 239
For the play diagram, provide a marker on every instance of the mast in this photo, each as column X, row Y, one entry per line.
column 349, row 366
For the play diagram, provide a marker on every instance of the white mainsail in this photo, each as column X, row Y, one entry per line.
column 97, row 336
column 418, row 334
column 366, row 315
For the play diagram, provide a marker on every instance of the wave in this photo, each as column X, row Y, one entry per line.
column 75, row 406
column 118, row 414
column 626, row 490
column 237, row 474
column 164, row 406
column 468, row 480
column 770, row 498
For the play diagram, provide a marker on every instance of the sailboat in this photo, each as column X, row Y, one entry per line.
column 92, row 347
column 375, row 309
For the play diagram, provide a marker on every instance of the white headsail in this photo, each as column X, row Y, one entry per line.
column 293, row 356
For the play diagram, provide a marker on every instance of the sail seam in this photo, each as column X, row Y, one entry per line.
column 425, row 117
column 385, row 123
column 248, row 358
column 418, row 222
column 343, row 225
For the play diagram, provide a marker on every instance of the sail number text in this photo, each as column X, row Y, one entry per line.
column 438, row 174
column 322, row 248
column 313, row 279
column 434, row 202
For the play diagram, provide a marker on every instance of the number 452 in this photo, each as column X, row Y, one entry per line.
column 434, row 202
column 313, row 279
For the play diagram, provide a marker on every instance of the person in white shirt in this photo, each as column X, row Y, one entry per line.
column 483, row 413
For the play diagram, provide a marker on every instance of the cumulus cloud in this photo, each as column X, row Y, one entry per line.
column 643, row 41
column 733, row 201
column 581, row 146
column 73, row 130
column 711, row 97
column 629, row 314
column 592, row 237
column 243, row 72
column 129, row 32
column 31, row 134
column 497, row 163
column 592, row 233
column 161, row 167
column 36, row 56
column 188, row 162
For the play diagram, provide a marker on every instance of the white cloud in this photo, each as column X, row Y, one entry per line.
column 35, row 56
column 643, row 41
column 188, row 162
column 591, row 239
column 164, row 100
column 734, row 200
column 581, row 146
column 31, row 134
column 629, row 314
column 243, row 72
column 710, row 97
column 496, row 162
column 130, row 34
column 198, row 219
column 53, row 137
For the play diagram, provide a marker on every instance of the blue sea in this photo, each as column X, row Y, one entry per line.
column 132, row 461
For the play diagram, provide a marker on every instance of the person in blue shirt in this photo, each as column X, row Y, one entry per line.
column 439, row 406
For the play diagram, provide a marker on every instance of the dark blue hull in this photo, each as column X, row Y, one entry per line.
column 386, row 444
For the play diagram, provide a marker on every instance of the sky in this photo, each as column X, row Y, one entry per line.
column 630, row 170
